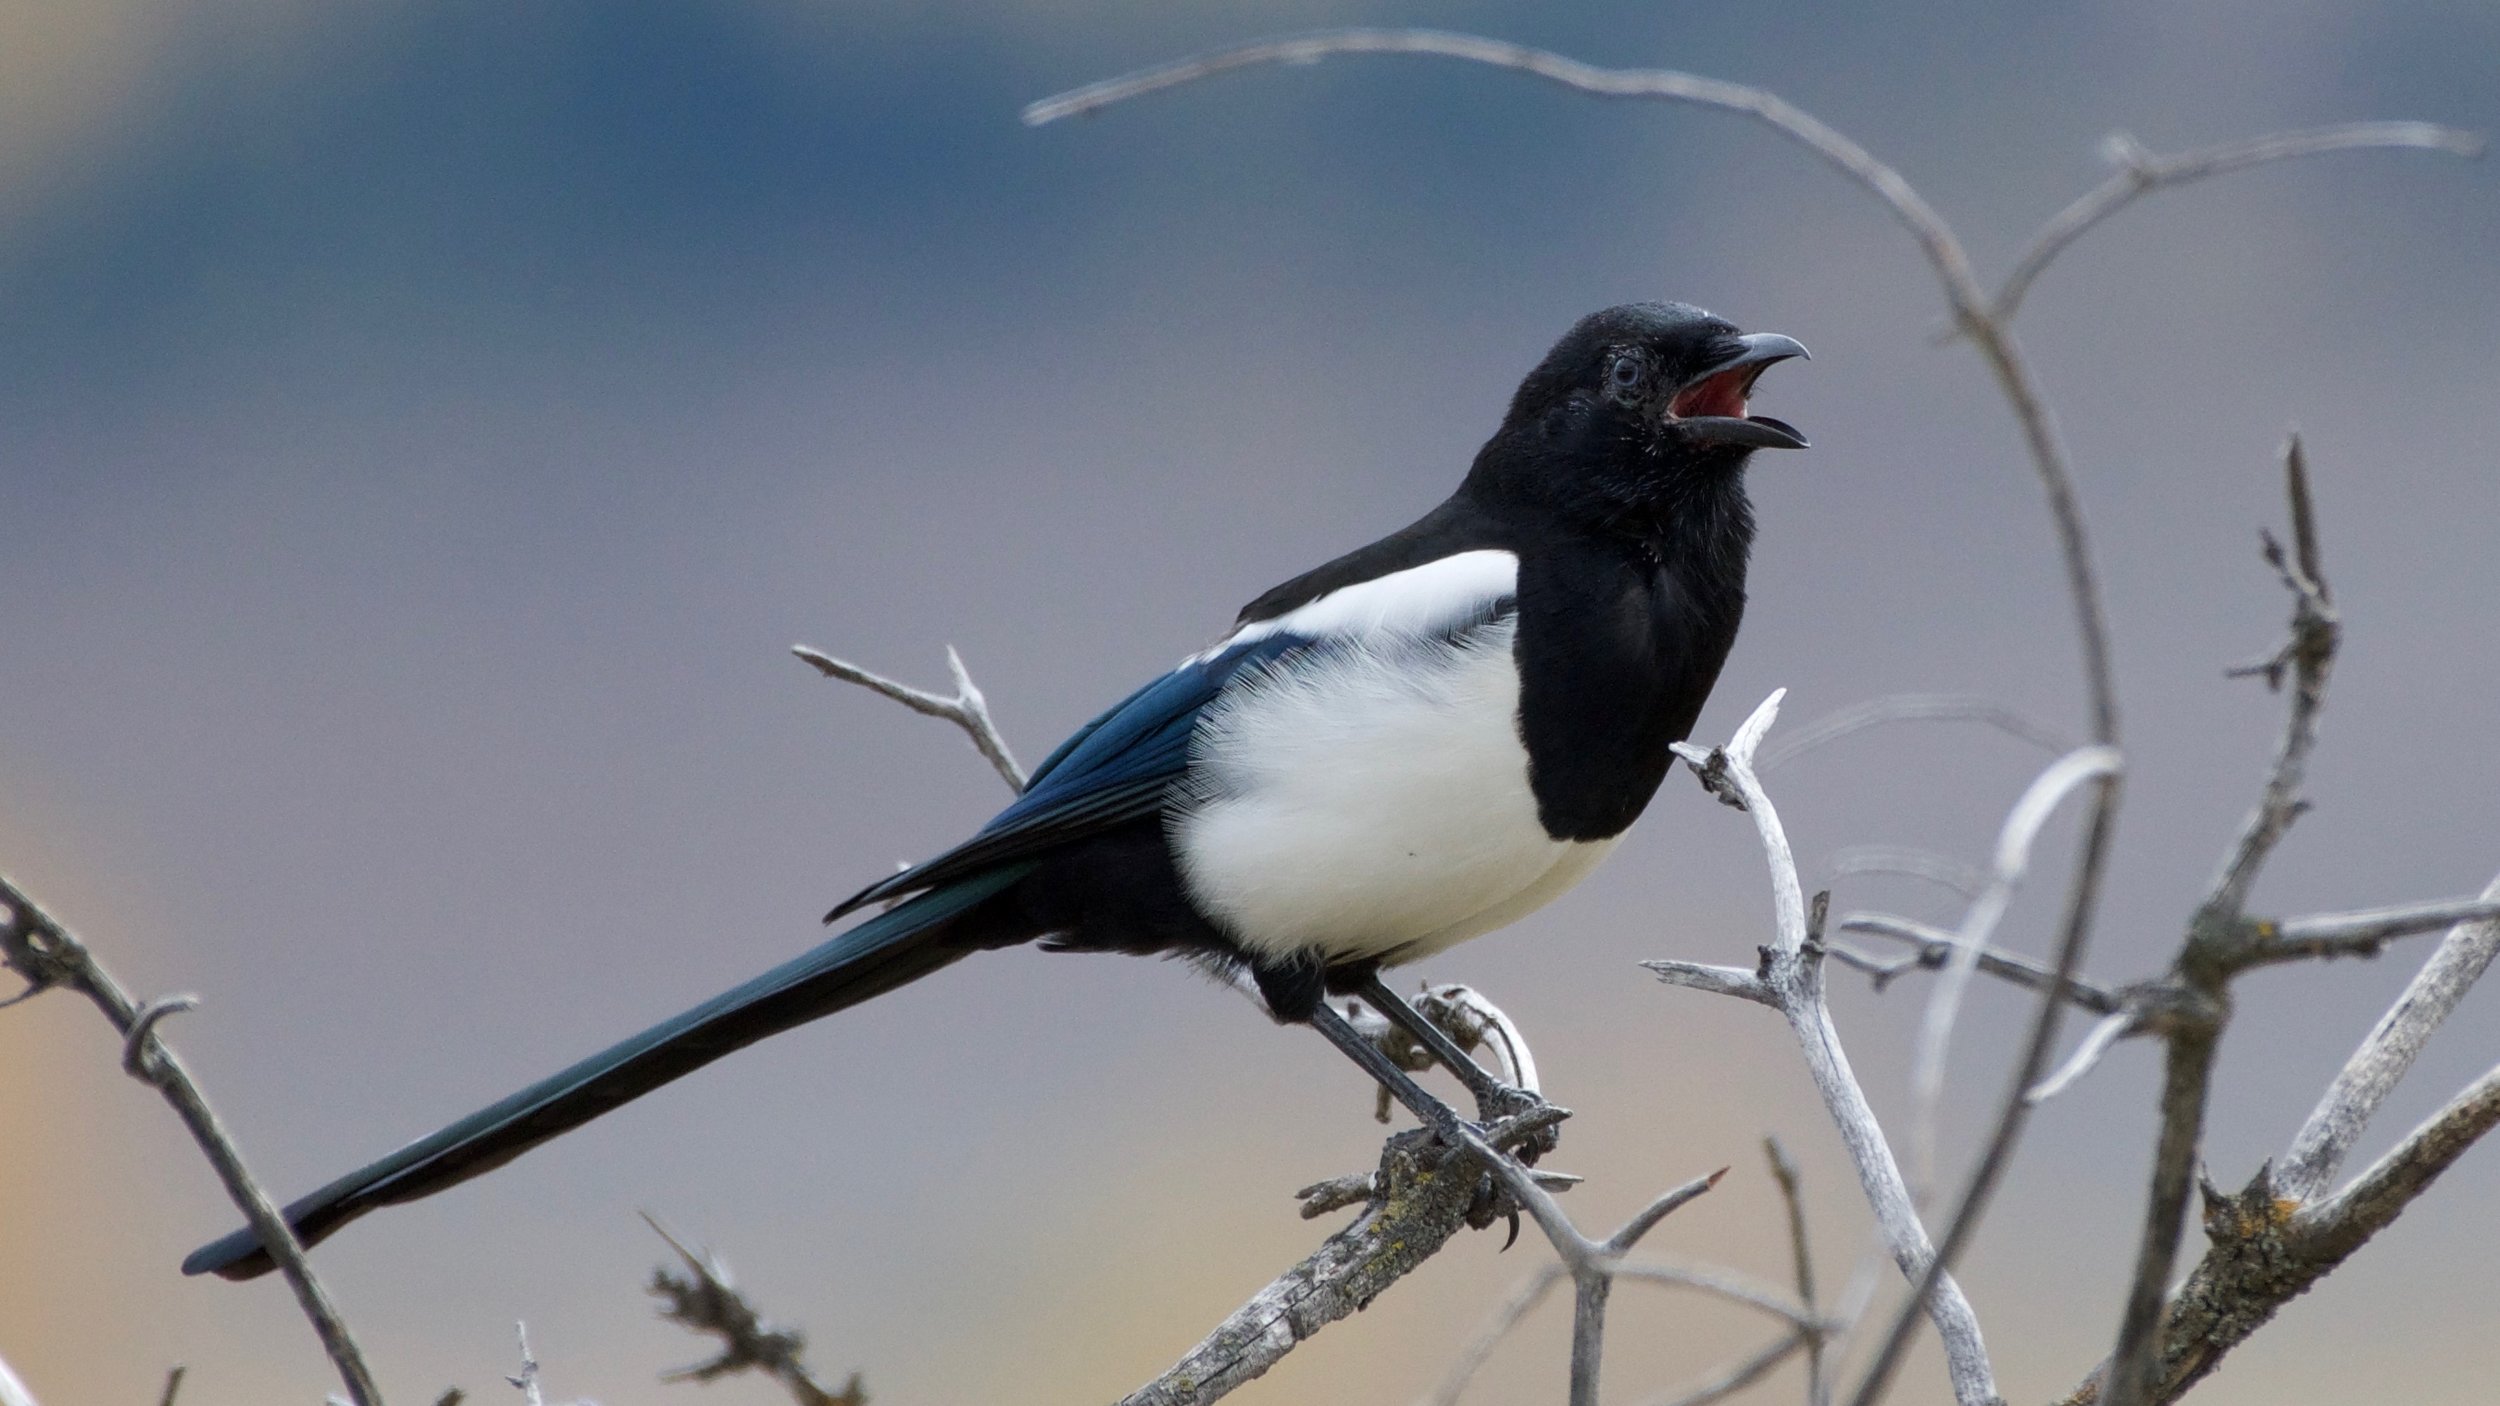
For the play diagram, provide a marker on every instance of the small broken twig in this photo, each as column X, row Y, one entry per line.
column 968, row 709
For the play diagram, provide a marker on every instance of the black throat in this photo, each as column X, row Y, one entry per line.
column 1624, row 621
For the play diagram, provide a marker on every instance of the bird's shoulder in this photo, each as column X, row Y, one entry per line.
column 1456, row 549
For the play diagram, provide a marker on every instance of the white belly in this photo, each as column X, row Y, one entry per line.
column 1355, row 806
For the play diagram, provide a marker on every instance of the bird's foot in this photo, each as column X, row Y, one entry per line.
column 1522, row 1122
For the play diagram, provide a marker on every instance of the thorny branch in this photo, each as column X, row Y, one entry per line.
column 40, row 949
column 703, row 1300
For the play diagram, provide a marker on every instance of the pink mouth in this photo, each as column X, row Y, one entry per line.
column 1722, row 394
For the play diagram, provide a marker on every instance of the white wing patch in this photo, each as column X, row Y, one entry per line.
column 1369, row 797
column 1419, row 602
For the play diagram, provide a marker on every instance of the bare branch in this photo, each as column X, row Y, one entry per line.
column 1723, row 1284
column 2345, row 1221
column 703, row 1300
column 1792, row 1194
column 43, row 951
column 1464, row 1011
column 2105, row 1032
column 2011, row 861
column 1719, row 981
column 12, row 1391
column 1740, row 1374
column 2267, row 1248
column 1936, row 946
column 1793, row 976
column 2358, row 934
column 173, row 1385
column 2218, row 946
column 2316, row 632
column 2140, row 173
column 527, row 1382
column 1479, row 1349
column 1915, row 708
column 2318, row 1150
column 1629, row 1234
column 138, row 1041
column 968, row 709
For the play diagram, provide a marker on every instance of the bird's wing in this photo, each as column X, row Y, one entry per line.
column 1121, row 766
column 1113, row 770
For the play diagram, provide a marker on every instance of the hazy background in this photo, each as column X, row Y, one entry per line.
column 424, row 428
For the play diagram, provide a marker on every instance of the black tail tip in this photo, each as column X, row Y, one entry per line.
column 238, row 1256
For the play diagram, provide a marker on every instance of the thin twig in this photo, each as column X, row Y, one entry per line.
column 173, row 1385
column 2318, row 1150
column 1739, row 1374
column 2394, row 920
column 2141, row 172
column 42, row 950
column 1792, row 1194
column 2011, row 861
column 2105, row 1032
column 2316, row 632
column 1718, row 981
column 1479, row 1349
column 527, row 1382
column 968, row 709
column 2341, row 1223
column 1724, row 1284
column 1936, row 946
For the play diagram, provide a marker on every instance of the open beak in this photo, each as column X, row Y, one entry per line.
column 1711, row 406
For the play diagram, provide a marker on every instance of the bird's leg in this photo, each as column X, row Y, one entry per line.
column 1495, row 1100
column 1493, row 1097
column 1436, row 1115
column 1491, row 1200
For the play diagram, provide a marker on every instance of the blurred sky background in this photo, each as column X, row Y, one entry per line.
column 424, row 429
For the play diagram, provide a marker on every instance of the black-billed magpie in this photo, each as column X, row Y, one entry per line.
column 1421, row 741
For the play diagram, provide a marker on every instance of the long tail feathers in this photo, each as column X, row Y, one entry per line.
column 868, row 960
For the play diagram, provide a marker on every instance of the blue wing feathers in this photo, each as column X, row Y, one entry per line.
column 1115, row 769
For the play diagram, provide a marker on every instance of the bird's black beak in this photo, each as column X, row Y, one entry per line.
column 1711, row 406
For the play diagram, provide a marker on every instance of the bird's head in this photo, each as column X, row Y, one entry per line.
column 1637, row 406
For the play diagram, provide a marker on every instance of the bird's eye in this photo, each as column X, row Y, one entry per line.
column 1626, row 371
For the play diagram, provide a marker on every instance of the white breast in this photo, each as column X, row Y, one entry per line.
column 1369, row 798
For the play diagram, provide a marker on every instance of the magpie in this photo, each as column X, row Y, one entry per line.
column 1419, row 742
